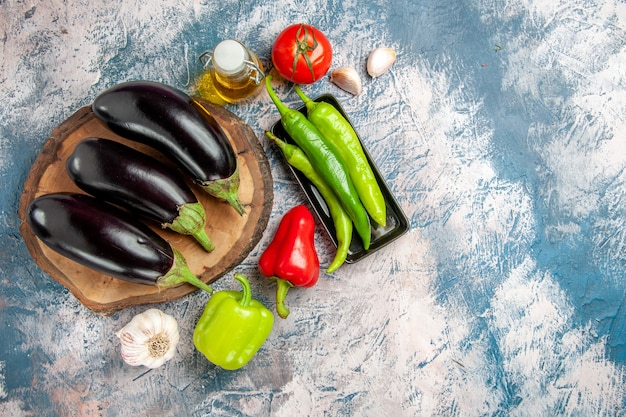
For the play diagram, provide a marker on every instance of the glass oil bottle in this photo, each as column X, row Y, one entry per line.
column 232, row 73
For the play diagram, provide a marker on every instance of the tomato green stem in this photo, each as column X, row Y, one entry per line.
column 303, row 48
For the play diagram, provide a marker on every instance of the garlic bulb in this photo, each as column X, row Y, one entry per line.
column 380, row 60
column 347, row 79
column 149, row 339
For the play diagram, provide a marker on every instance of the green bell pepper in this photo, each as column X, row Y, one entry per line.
column 232, row 327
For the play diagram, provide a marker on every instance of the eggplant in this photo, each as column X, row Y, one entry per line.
column 170, row 121
column 105, row 238
column 121, row 175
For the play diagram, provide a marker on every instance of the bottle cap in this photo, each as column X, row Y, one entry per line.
column 229, row 57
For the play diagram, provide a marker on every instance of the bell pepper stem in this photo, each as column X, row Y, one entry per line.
column 282, row 288
column 246, row 292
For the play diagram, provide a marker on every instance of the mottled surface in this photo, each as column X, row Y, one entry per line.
column 501, row 130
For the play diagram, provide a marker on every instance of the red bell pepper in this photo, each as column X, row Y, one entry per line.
column 291, row 259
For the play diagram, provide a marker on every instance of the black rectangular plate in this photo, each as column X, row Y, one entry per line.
column 397, row 222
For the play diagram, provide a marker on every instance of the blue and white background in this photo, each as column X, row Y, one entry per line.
column 501, row 130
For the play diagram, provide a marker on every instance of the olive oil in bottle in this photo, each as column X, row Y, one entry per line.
column 233, row 73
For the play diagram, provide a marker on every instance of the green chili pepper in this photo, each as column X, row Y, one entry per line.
column 232, row 327
column 327, row 162
column 343, row 225
column 338, row 130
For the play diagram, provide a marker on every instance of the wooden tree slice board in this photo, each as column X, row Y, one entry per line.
column 234, row 236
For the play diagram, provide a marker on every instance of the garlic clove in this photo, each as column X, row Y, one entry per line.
column 380, row 60
column 347, row 79
column 149, row 339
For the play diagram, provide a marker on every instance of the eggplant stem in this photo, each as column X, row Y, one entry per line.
column 204, row 240
column 191, row 221
column 180, row 273
column 226, row 189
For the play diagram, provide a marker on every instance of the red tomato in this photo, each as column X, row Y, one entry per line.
column 302, row 54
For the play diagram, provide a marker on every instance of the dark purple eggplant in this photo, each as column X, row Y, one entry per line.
column 167, row 119
column 120, row 175
column 105, row 238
